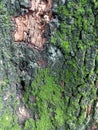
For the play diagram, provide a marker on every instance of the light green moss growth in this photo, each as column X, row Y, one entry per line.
column 6, row 121
column 47, row 92
column 1, row 104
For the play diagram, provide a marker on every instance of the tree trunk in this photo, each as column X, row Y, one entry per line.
column 55, row 88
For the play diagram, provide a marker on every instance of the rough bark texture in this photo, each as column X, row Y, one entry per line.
column 56, row 88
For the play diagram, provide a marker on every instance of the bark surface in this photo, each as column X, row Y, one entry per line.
column 55, row 88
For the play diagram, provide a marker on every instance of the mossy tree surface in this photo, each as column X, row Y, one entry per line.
column 64, row 95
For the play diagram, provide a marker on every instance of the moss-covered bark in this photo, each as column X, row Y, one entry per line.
column 57, row 88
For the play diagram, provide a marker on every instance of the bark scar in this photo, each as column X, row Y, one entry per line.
column 33, row 24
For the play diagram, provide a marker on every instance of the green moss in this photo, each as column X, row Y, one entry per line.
column 48, row 96
column 1, row 104
column 6, row 122
column 30, row 125
column 71, row 110
column 96, row 3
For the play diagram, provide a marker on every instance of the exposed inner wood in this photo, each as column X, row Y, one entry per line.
column 32, row 26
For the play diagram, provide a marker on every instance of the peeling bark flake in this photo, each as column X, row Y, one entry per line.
column 32, row 26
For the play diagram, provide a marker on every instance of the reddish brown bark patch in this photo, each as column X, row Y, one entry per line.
column 32, row 26
column 42, row 63
column 88, row 111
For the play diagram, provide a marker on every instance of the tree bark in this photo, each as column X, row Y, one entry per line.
column 55, row 88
